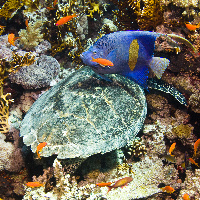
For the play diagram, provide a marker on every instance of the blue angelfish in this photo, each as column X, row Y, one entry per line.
column 131, row 53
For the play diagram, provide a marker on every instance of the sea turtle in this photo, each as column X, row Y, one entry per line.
column 82, row 115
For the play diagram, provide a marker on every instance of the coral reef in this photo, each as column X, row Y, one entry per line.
column 191, row 185
column 147, row 174
column 146, row 159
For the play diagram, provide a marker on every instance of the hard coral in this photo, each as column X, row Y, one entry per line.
column 124, row 16
column 9, row 7
column 4, row 112
column 182, row 131
column 150, row 16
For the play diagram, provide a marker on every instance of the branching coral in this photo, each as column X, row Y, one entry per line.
column 149, row 14
column 137, row 148
column 4, row 112
column 10, row 6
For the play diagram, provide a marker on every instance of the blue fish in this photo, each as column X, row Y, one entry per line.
column 131, row 52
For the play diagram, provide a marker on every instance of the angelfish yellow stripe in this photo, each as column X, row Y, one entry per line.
column 133, row 54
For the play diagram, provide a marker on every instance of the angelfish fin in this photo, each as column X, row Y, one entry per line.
column 139, row 75
column 178, row 38
column 158, row 65
column 167, row 88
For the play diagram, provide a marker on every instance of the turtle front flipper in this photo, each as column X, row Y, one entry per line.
column 167, row 88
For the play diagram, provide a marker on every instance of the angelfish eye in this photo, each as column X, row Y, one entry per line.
column 94, row 52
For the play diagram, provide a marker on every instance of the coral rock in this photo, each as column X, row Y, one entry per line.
column 37, row 75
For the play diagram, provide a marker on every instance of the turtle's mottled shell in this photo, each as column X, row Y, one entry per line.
column 82, row 116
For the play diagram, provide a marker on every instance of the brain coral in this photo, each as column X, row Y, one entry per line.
column 82, row 116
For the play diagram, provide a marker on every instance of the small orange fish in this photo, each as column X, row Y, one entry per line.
column 34, row 184
column 186, row 196
column 196, row 144
column 64, row 20
column 192, row 27
column 172, row 147
column 12, row 38
column 120, row 183
column 103, row 184
column 103, row 62
column 49, row 8
column 40, row 147
column 168, row 189
column 54, row 3
column 2, row 26
column 193, row 162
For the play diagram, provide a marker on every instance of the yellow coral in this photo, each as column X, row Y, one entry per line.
column 151, row 14
column 182, row 131
column 95, row 7
column 9, row 7
column 4, row 111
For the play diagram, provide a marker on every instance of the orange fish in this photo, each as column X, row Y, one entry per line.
column 172, row 148
column 26, row 23
column 168, row 189
column 40, row 147
column 103, row 62
column 186, row 196
column 2, row 26
column 103, row 184
column 12, row 38
column 196, row 144
column 193, row 162
column 34, row 184
column 192, row 27
column 54, row 3
column 49, row 8
column 64, row 20
column 120, row 183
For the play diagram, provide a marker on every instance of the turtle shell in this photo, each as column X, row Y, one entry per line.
column 83, row 115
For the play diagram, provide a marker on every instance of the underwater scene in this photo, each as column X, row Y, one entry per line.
column 99, row 100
